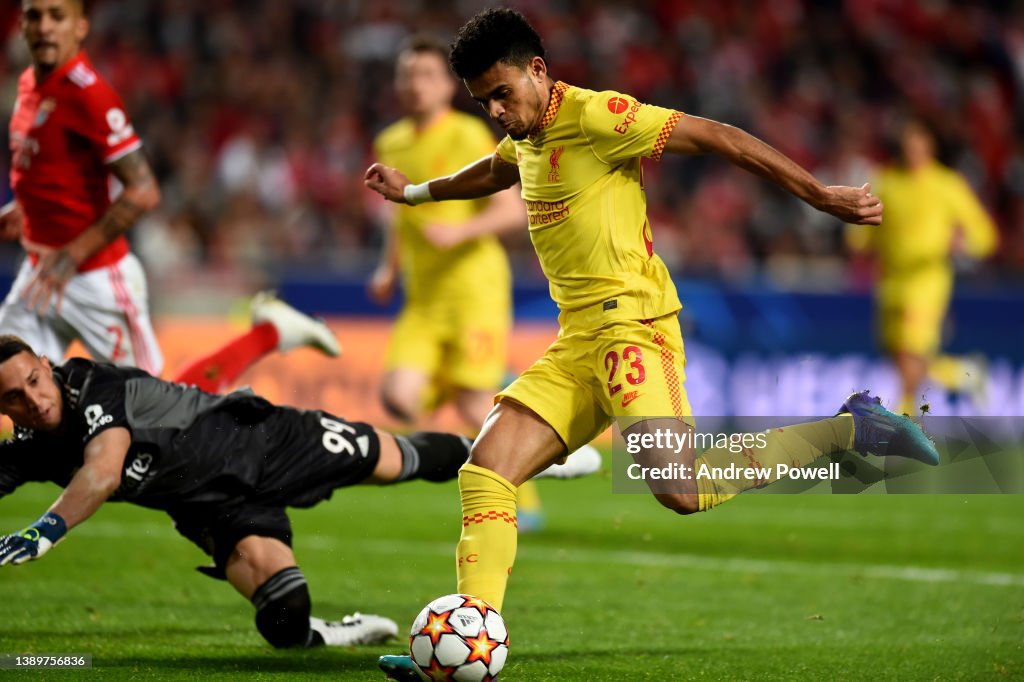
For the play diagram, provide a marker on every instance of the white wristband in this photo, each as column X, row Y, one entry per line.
column 417, row 194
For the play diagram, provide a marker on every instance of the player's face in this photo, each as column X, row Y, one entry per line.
column 513, row 97
column 53, row 30
column 917, row 145
column 28, row 393
column 423, row 83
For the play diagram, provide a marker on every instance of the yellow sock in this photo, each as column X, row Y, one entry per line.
column 909, row 405
column 529, row 498
column 796, row 446
column 948, row 371
column 487, row 548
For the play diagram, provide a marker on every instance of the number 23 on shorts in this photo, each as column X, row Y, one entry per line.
column 630, row 359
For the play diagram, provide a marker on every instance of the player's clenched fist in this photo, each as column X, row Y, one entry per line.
column 34, row 541
column 388, row 182
column 855, row 205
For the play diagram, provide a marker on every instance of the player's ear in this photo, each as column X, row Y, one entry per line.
column 537, row 68
column 81, row 27
column 47, row 367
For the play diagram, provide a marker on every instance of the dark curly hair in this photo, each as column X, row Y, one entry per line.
column 494, row 35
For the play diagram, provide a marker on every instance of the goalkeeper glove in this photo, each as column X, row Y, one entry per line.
column 34, row 541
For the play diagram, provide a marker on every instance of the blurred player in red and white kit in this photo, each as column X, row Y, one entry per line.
column 70, row 140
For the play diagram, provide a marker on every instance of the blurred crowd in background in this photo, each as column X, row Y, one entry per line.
column 258, row 115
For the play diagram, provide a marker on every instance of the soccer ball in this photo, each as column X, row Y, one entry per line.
column 458, row 637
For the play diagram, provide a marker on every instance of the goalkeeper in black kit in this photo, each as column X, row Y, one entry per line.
column 224, row 467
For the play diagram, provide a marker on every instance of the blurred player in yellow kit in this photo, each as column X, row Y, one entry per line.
column 619, row 353
column 449, row 343
column 931, row 214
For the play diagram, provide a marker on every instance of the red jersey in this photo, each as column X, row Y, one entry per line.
column 64, row 131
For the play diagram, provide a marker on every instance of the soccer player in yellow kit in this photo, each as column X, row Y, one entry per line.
column 619, row 353
column 930, row 212
column 450, row 340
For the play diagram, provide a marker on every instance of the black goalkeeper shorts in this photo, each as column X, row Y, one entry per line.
column 296, row 458
column 218, row 530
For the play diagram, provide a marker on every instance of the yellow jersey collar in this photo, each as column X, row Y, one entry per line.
column 554, row 103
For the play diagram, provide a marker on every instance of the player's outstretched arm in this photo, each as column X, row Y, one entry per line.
column 695, row 135
column 479, row 179
column 90, row 487
column 505, row 213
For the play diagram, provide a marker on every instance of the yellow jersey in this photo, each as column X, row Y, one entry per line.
column 923, row 210
column 583, row 187
column 447, row 145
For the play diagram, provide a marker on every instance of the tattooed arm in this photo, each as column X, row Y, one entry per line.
column 140, row 195
column 57, row 266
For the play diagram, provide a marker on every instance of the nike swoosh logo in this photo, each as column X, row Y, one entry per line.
column 627, row 400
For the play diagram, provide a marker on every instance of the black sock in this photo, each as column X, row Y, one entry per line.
column 432, row 456
column 282, row 610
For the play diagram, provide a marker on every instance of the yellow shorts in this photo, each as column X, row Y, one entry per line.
column 911, row 329
column 628, row 370
column 911, row 311
column 456, row 346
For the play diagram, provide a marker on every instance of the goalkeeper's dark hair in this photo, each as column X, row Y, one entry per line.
column 11, row 345
column 495, row 35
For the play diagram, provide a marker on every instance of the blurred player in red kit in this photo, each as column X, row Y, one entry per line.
column 80, row 181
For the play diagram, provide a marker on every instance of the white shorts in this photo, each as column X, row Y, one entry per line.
column 106, row 309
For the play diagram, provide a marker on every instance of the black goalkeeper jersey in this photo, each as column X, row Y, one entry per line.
column 189, row 447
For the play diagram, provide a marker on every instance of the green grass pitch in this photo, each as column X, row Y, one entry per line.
column 616, row 588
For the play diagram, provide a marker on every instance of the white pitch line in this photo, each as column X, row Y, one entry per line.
column 578, row 555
